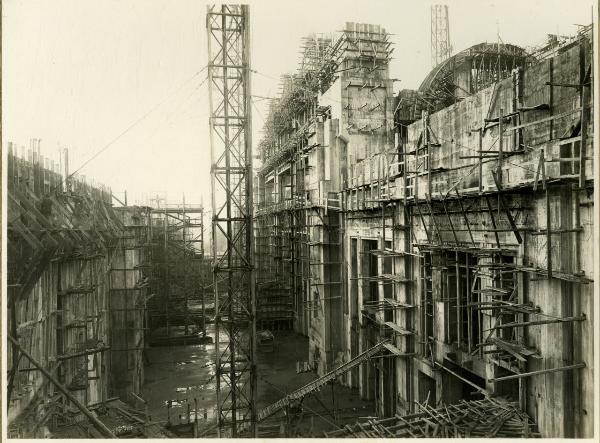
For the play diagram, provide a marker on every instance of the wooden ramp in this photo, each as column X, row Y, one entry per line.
column 321, row 381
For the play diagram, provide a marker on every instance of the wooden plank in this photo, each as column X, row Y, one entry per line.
column 397, row 304
column 515, row 351
column 400, row 330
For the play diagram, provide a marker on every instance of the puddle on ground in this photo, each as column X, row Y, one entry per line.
column 174, row 403
column 180, row 377
column 196, row 388
column 191, row 362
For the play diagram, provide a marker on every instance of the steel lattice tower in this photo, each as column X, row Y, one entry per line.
column 232, row 225
column 440, row 35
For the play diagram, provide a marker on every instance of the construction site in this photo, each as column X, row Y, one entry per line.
column 381, row 263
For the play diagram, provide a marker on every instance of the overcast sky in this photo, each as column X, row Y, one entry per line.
column 77, row 73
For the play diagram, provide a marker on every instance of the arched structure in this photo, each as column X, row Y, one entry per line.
column 463, row 74
column 471, row 70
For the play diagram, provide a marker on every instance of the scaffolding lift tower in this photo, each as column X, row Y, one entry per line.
column 440, row 35
column 232, row 225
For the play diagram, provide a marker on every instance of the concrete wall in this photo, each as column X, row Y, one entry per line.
column 559, row 402
column 355, row 129
column 127, row 304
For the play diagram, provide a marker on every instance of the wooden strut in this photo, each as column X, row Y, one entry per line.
column 470, row 383
column 542, row 371
column 423, row 221
column 537, row 322
column 540, row 169
column 500, row 144
column 101, row 427
column 16, row 357
column 491, row 211
column 583, row 120
column 511, row 220
column 548, row 235
column 462, row 210
column 428, row 145
column 543, row 120
column 87, row 352
column 451, row 224
column 432, row 217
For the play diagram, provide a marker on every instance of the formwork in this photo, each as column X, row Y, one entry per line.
column 65, row 245
column 450, row 222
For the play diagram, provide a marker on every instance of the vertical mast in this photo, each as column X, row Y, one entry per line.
column 232, row 219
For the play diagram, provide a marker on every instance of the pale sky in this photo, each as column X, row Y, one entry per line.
column 77, row 73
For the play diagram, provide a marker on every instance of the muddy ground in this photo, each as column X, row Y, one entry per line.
column 185, row 376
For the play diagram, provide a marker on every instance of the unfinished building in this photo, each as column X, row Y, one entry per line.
column 81, row 274
column 178, row 273
column 425, row 253
column 447, row 228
